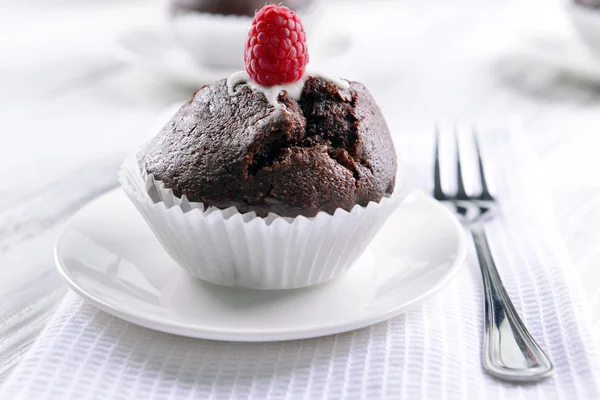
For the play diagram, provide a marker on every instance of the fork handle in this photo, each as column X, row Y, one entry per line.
column 509, row 351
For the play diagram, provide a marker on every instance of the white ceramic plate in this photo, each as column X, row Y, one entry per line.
column 565, row 52
column 586, row 22
column 152, row 48
column 109, row 256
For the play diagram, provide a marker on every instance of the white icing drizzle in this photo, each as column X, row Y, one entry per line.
column 293, row 89
column 339, row 82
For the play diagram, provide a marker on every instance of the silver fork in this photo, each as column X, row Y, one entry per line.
column 509, row 351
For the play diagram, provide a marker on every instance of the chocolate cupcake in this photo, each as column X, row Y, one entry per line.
column 230, row 7
column 330, row 149
column 589, row 3
column 269, row 187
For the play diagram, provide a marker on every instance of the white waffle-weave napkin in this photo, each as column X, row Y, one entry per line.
column 431, row 352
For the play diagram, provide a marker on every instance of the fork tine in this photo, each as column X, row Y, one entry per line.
column 460, row 191
column 438, row 192
column 485, row 194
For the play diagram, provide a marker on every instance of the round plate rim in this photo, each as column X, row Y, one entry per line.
column 205, row 75
column 258, row 335
column 202, row 75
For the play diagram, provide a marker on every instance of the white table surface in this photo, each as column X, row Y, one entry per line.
column 70, row 109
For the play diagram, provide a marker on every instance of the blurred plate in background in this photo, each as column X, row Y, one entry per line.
column 154, row 50
column 563, row 52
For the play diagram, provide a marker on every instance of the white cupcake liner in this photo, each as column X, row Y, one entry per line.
column 229, row 248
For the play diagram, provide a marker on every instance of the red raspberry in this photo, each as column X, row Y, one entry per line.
column 276, row 49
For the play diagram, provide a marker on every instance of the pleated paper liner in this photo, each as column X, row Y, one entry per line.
column 229, row 248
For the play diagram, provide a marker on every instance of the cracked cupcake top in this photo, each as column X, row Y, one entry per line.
column 330, row 149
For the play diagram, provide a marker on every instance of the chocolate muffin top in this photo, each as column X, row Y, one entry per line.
column 231, row 7
column 331, row 149
column 589, row 3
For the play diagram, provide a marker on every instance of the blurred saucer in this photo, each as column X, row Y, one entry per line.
column 153, row 49
column 586, row 21
column 564, row 52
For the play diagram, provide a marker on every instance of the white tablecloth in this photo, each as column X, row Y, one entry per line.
column 433, row 351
